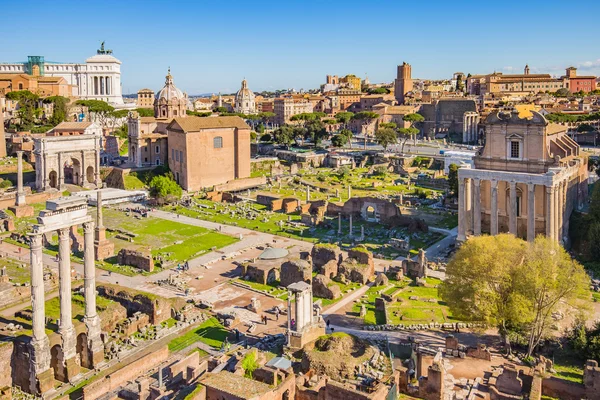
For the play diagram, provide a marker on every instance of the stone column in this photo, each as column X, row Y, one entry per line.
column 550, row 212
column 350, row 224
column 476, row 207
column 20, row 193
column 559, row 209
column 289, row 313
column 530, row 212
column 299, row 311
column 61, row 173
column 461, row 211
column 339, row 223
column 65, row 327
column 557, row 234
column 512, row 213
column 307, row 193
column 468, row 207
column 91, row 319
column 41, row 375
column 494, row 207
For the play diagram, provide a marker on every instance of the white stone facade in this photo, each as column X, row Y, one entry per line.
column 68, row 159
column 99, row 78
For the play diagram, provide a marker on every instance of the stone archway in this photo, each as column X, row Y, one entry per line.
column 55, row 363
column 83, row 351
column 53, row 178
column 89, row 174
column 370, row 212
column 72, row 171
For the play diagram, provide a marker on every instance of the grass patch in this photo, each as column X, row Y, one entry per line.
column 271, row 288
column 210, row 332
column 567, row 365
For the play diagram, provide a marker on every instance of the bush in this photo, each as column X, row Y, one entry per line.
column 249, row 364
column 5, row 184
column 165, row 189
column 266, row 138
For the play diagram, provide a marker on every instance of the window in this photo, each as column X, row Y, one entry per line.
column 218, row 142
column 176, row 155
column 181, row 156
column 514, row 149
column 157, row 149
column 145, row 149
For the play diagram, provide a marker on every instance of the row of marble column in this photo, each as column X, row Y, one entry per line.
column 304, row 308
column 102, row 85
column 66, row 329
column 469, row 205
column 470, row 121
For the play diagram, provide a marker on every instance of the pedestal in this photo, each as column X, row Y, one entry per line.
column 41, row 374
column 22, row 211
column 103, row 248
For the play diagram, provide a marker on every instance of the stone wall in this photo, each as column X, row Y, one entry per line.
column 157, row 308
column 129, row 372
column 591, row 379
column 293, row 271
column 241, row 184
column 322, row 253
column 6, row 355
column 323, row 287
column 139, row 257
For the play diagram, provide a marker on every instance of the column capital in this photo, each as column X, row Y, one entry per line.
column 63, row 233
column 494, row 183
column 35, row 241
column 512, row 184
column 88, row 227
column 531, row 186
column 476, row 181
column 549, row 189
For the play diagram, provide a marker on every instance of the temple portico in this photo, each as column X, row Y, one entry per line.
column 61, row 361
column 525, row 205
column 470, row 123
column 526, row 179
column 305, row 326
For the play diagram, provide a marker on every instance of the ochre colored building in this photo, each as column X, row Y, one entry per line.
column 43, row 86
column 526, row 180
column 208, row 151
column 200, row 151
column 145, row 98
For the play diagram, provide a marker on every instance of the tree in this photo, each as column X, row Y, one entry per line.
column 260, row 128
column 344, row 117
column 379, row 90
column 315, row 131
column 249, row 364
column 562, row 92
column 59, row 109
column 385, row 137
column 145, row 112
column 165, row 189
column 453, row 179
column 459, row 83
column 405, row 134
column 549, row 276
column 585, row 128
column 29, row 107
column 511, row 284
column 100, row 109
column 221, row 110
column 284, row 135
column 265, row 137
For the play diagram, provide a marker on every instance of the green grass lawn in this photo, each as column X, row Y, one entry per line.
column 343, row 287
column 210, row 332
column 132, row 182
column 174, row 241
column 406, row 311
column 567, row 365
column 272, row 288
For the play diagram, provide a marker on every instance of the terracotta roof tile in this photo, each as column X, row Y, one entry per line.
column 194, row 124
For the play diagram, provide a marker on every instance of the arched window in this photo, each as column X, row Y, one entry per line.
column 218, row 142
column 20, row 86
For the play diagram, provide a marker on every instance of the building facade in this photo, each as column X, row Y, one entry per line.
column 245, row 101
column 99, row 78
column 145, row 98
column 208, row 151
column 529, row 83
column 526, row 180
column 170, row 102
column 403, row 83
column 286, row 107
column 68, row 153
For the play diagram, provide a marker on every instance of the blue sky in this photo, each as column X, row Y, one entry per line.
column 212, row 46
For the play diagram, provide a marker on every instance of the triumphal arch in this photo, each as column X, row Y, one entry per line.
column 69, row 153
column 62, row 360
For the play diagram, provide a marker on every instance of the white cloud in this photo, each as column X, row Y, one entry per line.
column 586, row 65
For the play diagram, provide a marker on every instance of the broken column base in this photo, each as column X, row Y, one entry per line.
column 104, row 249
column 97, row 358
column 45, row 381
column 310, row 333
column 69, row 370
column 22, row 211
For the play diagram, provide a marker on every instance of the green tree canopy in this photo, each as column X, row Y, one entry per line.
column 453, row 179
column 379, row 90
column 250, row 364
column 344, row 117
column 59, row 109
column 285, row 135
column 405, row 134
column 29, row 107
column 511, row 284
column 386, row 137
column 145, row 112
column 165, row 189
column 365, row 116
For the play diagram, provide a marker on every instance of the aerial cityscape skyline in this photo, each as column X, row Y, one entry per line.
column 295, row 46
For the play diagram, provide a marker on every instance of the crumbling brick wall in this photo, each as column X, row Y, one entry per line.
column 323, row 253
column 157, row 308
column 140, row 258
column 293, row 271
column 323, row 287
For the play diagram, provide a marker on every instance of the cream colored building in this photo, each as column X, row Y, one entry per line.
column 145, row 98
column 245, row 101
column 526, row 180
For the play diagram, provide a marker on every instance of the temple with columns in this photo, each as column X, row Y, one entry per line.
column 526, row 180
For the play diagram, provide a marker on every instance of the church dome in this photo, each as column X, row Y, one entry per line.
column 245, row 100
column 170, row 92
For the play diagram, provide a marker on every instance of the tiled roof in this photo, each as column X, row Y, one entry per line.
column 235, row 385
column 72, row 126
column 194, row 124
